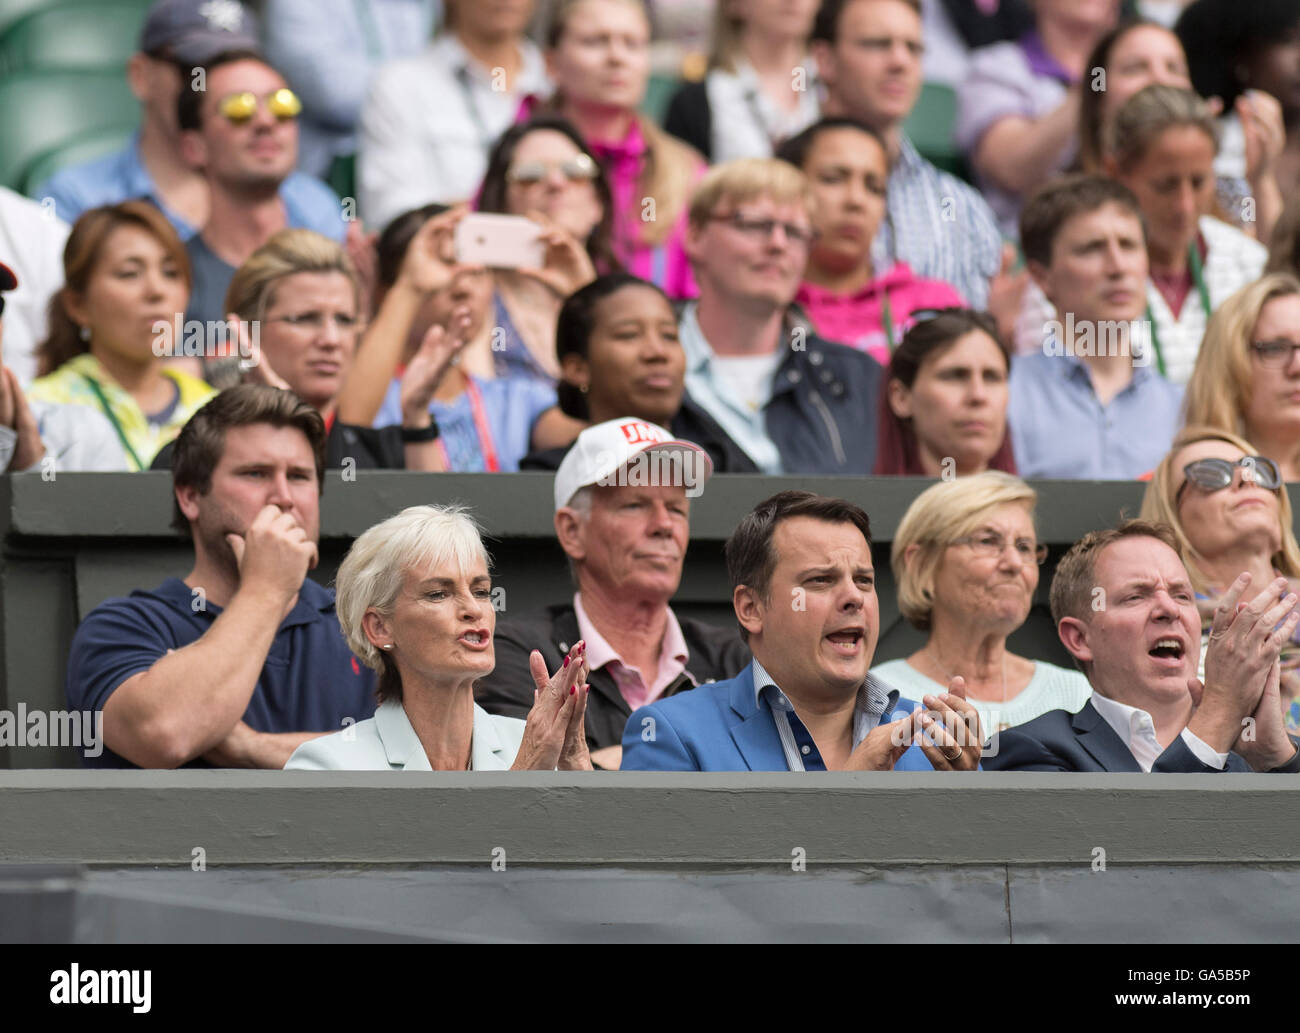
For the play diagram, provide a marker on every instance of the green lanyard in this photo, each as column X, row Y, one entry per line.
column 887, row 318
column 1198, row 278
column 108, row 411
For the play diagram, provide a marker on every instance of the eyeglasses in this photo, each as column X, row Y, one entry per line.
column 1275, row 354
column 762, row 229
column 315, row 321
column 239, row 108
column 988, row 545
column 579, row 169
column 1211, row 475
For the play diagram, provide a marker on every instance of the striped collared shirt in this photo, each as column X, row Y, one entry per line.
column 801, row 753
column 941, row 227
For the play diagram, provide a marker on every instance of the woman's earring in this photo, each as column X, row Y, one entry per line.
column 388, row 646
column 84, row 333
column 583, row 389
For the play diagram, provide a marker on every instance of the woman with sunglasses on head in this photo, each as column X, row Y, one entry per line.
column 1247, row 375
column 944, row 411
column 966, row 561
column 598, row 54
column 542, row 169
column 843, row 293
column 1229, row 509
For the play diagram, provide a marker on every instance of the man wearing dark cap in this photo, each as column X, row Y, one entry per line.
column 178, row 37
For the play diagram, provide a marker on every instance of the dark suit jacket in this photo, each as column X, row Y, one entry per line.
column 715, row 654
column 1061, row 741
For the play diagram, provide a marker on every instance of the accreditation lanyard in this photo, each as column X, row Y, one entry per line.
column 887, row 319
column 108, row 411
column 481, row 427
column 1198, row 278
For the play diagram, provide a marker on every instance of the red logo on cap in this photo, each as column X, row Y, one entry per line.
column 640, row 433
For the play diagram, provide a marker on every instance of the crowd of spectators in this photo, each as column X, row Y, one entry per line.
column 746, row 257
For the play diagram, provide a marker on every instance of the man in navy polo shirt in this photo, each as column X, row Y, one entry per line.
column 243, row 660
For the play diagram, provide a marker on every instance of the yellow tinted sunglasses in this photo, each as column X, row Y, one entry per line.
column 239, row 108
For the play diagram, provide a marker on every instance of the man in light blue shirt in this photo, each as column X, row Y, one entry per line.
column 178, row 36
column 1089, row 405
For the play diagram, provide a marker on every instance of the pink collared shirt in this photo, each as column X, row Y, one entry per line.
column 672, row 659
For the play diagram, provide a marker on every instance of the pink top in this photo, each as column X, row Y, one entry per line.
column 664, row 265
column 858, row 319
column 672, row 659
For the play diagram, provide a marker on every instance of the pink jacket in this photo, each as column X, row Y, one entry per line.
column 858, row 319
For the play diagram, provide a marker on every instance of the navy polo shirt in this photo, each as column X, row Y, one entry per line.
column 311, row 682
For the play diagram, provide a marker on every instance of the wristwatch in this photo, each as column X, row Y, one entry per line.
column 418, row 435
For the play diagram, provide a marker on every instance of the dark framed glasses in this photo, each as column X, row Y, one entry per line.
column 1274, row 354
column 579, row 169
column 1211, row 475
column 239, row 108
column 762, row 229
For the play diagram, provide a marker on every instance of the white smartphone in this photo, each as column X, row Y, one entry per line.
column 499, row 241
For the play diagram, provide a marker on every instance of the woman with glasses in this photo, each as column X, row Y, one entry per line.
column 944, row 410
column 1247, row 375
column 542, row 169
column 296, row 307
column 965, row 559
column 846, row 297
column 1228, row 507
column 112, row 328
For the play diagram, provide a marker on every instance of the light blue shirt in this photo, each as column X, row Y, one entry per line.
column 327, row 50
column 712, row 392
column 511, row 406
column 1059, row 428
column 873, row 700
column 941, row 227
column 308, row 203
column 387, row 742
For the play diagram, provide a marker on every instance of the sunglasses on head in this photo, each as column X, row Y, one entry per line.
column 576, row 170
column 239, row 108
column 1211, row 475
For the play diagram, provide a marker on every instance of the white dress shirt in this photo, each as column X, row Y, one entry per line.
column 428, row 124
column 387, row 742
column 31, row 244
column 1137, row 731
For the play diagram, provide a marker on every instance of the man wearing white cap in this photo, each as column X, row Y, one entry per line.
column 622, row 516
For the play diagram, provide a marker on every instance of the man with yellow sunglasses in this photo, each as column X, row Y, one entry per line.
column 241, row 132
column 178, row 37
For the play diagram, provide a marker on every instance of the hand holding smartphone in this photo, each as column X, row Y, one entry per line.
column 499, row 241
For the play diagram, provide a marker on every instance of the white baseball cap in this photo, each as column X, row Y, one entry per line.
column 632, row 452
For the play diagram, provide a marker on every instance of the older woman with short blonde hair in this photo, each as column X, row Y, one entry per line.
column 966, row 560
column 1247, row 375
column 1228, row 507
column 414, row 600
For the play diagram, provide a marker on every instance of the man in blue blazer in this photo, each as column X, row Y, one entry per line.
column 804, row 595
column 1125, row 609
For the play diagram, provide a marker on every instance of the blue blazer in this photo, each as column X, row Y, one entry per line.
column 1061, row 741
column 722, row 727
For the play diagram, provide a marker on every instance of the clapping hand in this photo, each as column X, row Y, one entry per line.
column 950, row 734
column 555, row 735
column 438, row 352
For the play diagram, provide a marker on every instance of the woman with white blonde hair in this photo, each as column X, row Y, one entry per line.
column 966, row 559
column 414, row 599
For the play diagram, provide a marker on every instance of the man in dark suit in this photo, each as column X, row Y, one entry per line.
column 622, row 515
column 1125, row 609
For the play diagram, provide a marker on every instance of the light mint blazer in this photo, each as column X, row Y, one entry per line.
column 387, row 742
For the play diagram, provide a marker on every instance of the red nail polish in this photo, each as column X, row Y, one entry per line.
column 572, row 689
column 566, row 661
